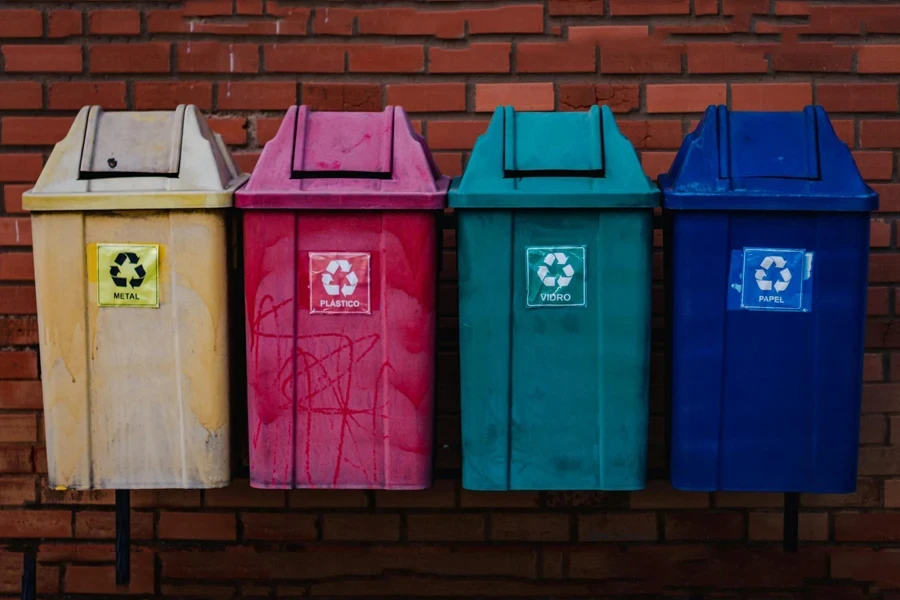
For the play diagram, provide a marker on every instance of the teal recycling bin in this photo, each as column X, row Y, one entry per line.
column 554, row 247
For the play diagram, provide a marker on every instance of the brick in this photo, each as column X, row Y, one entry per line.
column 371, row 58
column 770, row 96
column 878, row 59
column 748, row 500
column 149, row 57
column 880, row 234
column 41, row 59
column 427, row 97
column 704, row 525
column 441, row 527
column 894, row 434
column 608, row 35
column 114, row 22
column 161, row 95
column 366, row 527
column 20, row 95
column 529, row 527
column 23, row 23
column 873, row 429
column 197, row 525
column 64, row 23
column 36, row 523
column 456, row 135
column 16, row 458
column 575, row 7
column 892, row 493
column 769, row 526
column 649, row 7
column 676, row 98
column 72, row 95
column 813, row 57
column 100, row 525
column 101, row 580
column 216, row 57
column 874, row 165
column 879, row 133
column 869, row 527
column 506, row 19
column 888, row 196
column 168, row 21
column 620, row 97
column 16, row 266
column 632, row 58
column 20, row 394
column 450, row 164
column 34, row 131
column 17, row 364
column 652, row 134
column 208, row 8
column 476, row 58
column 240, row 495
column 881, row 568
column 409, row 21
column 246, row 161
column 304, row 58
column 522, row 96
column 79, row 497
column 857, row 97
column 873, row 367
column 706, row 7
column 279, row 527
column 618, row 527
column 541, row 57
column 327, row 499
column 879, row 461
column 655, row 163
column 727, row 58
column 256, row 95
column 165, row 498
column 18, row 300
column 334, row 21
column 17, row 490
column 15, row 231
column 342, row 96
column 878, row 302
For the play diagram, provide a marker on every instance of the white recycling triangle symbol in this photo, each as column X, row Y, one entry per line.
column 333, row 289
column 556, row 258
column 778, row 278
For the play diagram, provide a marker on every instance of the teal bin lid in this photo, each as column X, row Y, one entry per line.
column 553, row 160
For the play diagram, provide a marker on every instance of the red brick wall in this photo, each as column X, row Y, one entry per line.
column 658, row 63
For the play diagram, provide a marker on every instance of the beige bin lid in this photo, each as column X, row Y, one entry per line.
column 137, row 160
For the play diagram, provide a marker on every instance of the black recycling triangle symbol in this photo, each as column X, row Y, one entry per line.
column 119, row 278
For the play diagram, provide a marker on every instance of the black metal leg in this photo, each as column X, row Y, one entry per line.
column 29, row 576
column 123, row 537
column 791, row 518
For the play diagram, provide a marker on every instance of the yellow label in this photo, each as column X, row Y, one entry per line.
column 128, row 275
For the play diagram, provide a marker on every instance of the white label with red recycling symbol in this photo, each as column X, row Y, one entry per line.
column 339, row 283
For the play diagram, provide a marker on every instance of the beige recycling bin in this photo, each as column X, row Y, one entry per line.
column 129, row 224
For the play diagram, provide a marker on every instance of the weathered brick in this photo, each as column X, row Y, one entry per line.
column 429, row 97
column 342, row 96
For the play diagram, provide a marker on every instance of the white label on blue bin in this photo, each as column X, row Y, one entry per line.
column 771, row 279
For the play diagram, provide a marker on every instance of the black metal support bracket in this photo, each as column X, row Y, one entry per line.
column 791, row 521
column 29, row 576
column 123, row 537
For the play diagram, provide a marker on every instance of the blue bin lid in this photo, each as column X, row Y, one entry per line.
column 765, row 161
column 553, row 160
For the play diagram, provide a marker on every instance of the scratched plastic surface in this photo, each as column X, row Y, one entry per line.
column 342, row 398
column 554, row 396
column 765, row 397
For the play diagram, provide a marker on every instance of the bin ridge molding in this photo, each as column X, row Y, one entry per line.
column 137, row 160
column 738, row 160
column 558, row 160
column 364, row 158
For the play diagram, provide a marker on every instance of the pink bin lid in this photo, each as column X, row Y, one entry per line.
column 338, row 160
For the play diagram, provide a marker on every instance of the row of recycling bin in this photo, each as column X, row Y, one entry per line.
column 766, row 231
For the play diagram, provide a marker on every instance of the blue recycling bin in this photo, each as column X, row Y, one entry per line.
column 767, row 249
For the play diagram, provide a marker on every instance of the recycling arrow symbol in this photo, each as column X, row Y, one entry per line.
column 781, row 279
column 557, row 279
column 127, row 261
column 350, row 278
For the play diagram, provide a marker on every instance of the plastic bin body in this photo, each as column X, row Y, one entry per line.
column 342, row 397
column 554, row 395
column 135, row 396
column 765, row 386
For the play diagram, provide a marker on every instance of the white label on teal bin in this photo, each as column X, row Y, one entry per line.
column 555, row 276
column 777, row 279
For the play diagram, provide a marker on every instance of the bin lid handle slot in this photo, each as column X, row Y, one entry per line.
column 120, row 145
column 554, row 145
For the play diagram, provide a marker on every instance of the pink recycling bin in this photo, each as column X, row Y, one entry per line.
column 340, row 261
